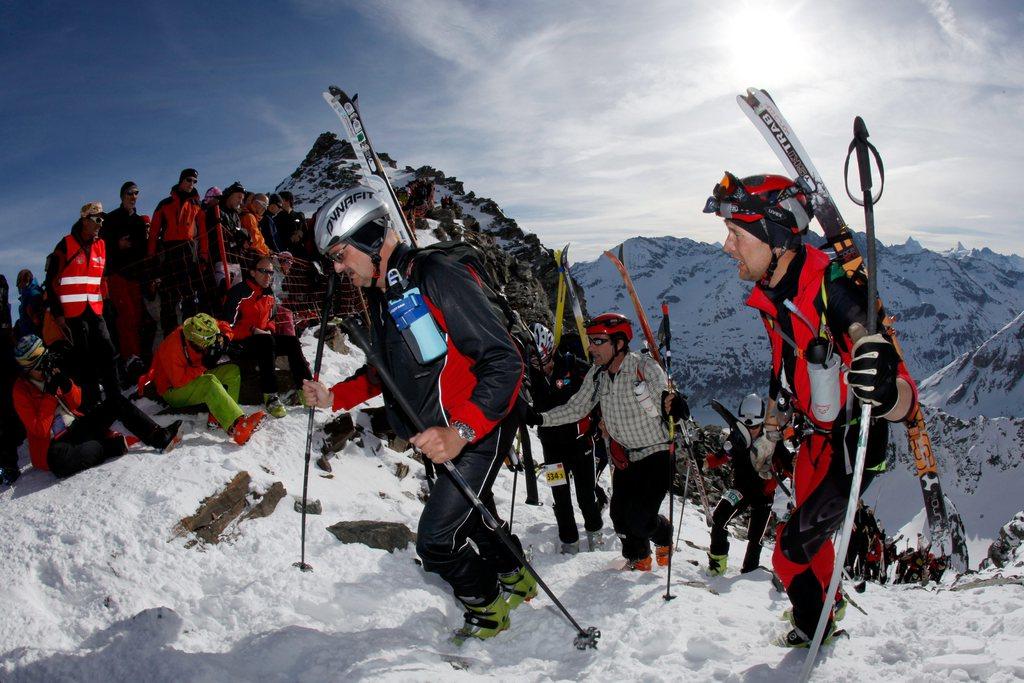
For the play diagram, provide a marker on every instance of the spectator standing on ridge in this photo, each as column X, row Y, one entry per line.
column 292, row 233
column 252, row 216
column 74, row 294
column 31, row 306
column 178, row 234
column 125, row 233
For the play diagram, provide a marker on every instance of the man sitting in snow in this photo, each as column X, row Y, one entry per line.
column 61, row 438
column 251, row 309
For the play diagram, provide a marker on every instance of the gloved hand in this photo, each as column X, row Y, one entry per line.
column 531, row 417
column 674, row 405
column 54, row 380
column 873, row 372
column 761, row 456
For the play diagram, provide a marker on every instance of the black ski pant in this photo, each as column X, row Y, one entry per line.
column 265, row 348
column 577, row 458
column 452, row 539
column 637, row 494
column 804, row 556
column 179, row 277
column 731, row 504
column 87, row 441
column 90, row 358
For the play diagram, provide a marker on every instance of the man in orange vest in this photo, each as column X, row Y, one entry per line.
column 75, row 289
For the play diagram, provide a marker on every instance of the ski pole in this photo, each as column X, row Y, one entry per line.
column 585, row 637
column 325, row 313
column 671, row 445
column 682, row 506
column 862, row 146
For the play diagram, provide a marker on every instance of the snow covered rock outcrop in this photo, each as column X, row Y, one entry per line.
column 521, row 263
column 985, row 381
column 1008, row 549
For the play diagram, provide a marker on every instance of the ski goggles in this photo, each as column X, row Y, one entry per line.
column 730, row 199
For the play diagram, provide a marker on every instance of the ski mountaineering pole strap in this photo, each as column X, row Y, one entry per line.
column 861, row 144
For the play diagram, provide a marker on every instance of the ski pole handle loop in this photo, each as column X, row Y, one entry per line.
column 862, row 146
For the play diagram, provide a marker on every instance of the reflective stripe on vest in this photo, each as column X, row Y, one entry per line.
column 82, row 277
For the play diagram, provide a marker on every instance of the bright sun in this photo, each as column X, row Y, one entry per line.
column 766, row 43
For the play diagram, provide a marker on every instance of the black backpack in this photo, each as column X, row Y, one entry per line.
column 471, row 256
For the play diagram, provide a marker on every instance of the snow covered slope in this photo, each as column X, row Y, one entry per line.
column 95, row 588
column 985, row 381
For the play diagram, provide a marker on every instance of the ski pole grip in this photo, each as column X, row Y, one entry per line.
column 860, row 138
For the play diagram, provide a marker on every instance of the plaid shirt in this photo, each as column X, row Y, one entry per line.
column 626, row 419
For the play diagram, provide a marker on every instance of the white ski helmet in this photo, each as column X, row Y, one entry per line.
column 752, row 410
column 356, row 216
column 544, row 341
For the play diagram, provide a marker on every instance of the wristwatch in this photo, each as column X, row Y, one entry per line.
column 464, row 430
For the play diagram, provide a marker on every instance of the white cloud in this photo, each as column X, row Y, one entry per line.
column 594, row 121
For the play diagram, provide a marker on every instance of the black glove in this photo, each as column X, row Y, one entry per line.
column 213, row 352
column 531, row 417
column 54, row 379
column 679, row 409
column 873, row 372
column 9, row 475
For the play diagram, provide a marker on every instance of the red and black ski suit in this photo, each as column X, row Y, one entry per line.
column 823, row 468
column 476, row 382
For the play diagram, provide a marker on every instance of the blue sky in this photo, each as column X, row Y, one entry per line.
column 587, row 121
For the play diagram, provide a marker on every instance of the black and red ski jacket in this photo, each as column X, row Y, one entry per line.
column 476, row 382
column 826, row 300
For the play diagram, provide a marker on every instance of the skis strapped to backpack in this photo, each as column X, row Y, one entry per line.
column 369, row 163
column 577, row 309
column 947, row 528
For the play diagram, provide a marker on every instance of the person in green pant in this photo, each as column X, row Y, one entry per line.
column 185, row 374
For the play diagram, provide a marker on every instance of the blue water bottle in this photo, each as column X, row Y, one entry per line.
column 413, row 319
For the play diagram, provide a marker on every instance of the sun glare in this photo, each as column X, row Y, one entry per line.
column 766, row 43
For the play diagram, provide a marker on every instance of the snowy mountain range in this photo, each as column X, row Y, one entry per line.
column 984, row 381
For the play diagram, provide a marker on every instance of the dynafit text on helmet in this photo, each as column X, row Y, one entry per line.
column 815, row 317
column 442, row 356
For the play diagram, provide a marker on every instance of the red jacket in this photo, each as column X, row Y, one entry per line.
column 176, row 362
column 37, row 410
column 178, row 218
column 249, row 307
column 809, row 300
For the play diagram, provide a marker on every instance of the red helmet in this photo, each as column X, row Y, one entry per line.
column 611, row 324
column 773, row 208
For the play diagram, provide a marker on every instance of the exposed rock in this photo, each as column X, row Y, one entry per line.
column 337, row 433
column 313, row 507
column 234, row 501
column 267, row 502
column 1008, row 546
column 388, row 536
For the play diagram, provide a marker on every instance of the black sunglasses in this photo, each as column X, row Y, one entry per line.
column 132, row 193
column 265, row 271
